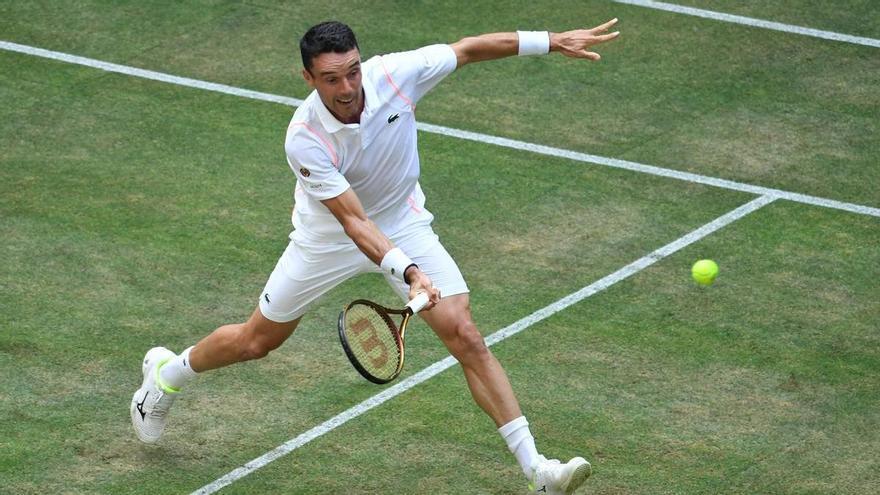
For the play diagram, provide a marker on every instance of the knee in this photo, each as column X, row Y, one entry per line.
column 468, row 344
column 257, row 337
column 253, row 347
column 253, row 350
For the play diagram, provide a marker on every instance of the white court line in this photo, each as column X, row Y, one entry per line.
column 749, row 21
column 448, row 131
column 148, row 74
column 650, row 169
column 496, row 337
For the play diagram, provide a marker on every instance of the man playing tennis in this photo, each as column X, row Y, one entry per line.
column 359, row 208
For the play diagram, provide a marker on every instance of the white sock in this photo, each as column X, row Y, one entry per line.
column 177, row 372
column 522, row 444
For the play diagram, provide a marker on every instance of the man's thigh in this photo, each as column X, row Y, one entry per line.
column 304, row 273
column 423, row 246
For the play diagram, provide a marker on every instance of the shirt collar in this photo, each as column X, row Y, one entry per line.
column 371, row 102
column 332, row 124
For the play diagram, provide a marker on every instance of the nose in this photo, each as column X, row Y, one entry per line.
column 347, row 87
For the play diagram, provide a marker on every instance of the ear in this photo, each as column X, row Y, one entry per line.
column 308, row 77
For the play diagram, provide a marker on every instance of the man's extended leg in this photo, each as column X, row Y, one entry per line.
column 451, row 321
column 164, row 372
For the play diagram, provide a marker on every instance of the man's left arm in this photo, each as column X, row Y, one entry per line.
column 575, row 43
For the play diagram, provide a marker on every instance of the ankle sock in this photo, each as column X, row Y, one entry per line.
column 522, row 444
column 177, row 372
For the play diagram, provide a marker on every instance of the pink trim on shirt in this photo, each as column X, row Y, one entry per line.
column 412, row 204
column 333, row 157
column 396, row 89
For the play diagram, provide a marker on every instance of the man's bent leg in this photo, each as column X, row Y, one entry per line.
column 301, row 276
column 234, row 343
column 164, row 372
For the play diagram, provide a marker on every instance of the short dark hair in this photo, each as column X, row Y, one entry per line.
column 330, row 36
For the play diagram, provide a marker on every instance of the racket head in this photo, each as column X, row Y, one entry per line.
column 371, row 340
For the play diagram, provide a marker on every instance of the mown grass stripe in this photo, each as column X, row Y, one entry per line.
column 458, row 133
column 650, row 169
column 750, row 21
column 500, row 335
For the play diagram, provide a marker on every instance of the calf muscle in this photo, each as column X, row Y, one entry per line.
column 239, row 342
column 487, row 381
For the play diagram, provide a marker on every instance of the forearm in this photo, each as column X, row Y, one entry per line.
column 485, row 47
column 368, row 238
column 574, row 43
column 376, row 246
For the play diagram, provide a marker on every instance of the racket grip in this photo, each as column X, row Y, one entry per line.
column 418, row 302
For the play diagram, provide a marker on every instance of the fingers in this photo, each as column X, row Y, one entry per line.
column 576, row 43
column 580, row 40
column 606, row 37
column 604, row 27
column 433, row 298
column 424, row 285
column 593, row 56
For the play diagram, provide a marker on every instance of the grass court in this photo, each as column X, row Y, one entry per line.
column 137, row 213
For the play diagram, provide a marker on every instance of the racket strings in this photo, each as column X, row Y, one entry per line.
column 373, row 340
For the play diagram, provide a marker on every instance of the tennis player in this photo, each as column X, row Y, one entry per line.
column 358, row 208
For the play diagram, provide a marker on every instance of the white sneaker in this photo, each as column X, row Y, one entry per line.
column 554, row 478
column 151, row 402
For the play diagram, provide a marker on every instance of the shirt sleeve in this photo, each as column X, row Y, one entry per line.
column 420, row 70
column 313, row 161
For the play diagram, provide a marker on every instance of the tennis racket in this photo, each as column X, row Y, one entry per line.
column 371, row 339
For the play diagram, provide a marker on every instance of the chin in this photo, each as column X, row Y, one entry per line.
column 347, row 115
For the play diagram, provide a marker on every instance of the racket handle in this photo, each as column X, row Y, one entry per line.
column 418, row 302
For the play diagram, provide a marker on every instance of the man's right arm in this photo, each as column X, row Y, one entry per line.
column 373, row 242
column 350, row 213
column 575, row 44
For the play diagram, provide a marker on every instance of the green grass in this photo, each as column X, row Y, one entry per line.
column 852, row 17
column 136, row 213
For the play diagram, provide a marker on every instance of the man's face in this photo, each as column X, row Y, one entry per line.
column 337, row 77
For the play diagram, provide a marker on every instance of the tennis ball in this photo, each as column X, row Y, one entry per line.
column 704, row 272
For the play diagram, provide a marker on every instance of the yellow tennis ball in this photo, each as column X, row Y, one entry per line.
column 704, row 272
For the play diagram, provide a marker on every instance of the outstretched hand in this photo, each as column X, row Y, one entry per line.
column 575, row 43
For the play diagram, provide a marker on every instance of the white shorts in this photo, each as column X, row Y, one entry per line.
column 307, row 271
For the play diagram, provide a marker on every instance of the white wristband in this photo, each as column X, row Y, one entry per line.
column 533, row 42
column 396, row 263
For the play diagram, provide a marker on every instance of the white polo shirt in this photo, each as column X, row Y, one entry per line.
column 378, row 158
